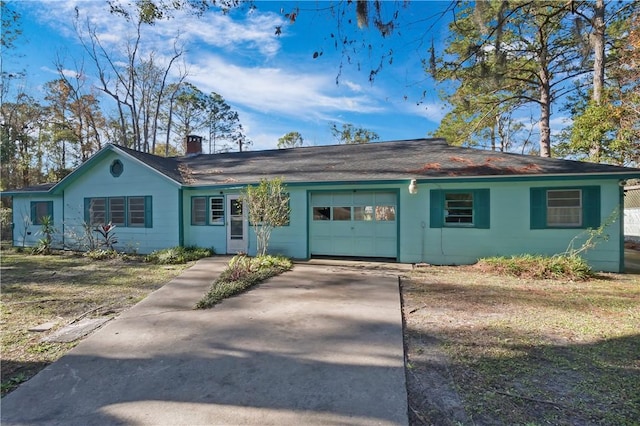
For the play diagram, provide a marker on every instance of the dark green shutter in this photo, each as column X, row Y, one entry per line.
column 87, row 210
column 481, row 209
column 538, row 208
column 591, row 206
column 435, row 208
column 148, row 216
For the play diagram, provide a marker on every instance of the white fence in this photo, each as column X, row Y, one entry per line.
column 632, row 212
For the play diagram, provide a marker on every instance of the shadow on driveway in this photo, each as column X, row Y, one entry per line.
column 317, row 345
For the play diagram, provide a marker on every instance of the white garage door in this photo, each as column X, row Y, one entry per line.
column 361, row 223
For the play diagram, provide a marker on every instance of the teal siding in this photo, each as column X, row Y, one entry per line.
column 512, row 231
column 26, row 232
column 287, row 240
column 162, row 211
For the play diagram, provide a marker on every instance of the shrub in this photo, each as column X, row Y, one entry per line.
column 539, row 267
column 179, row 254
column 243, row 273
column 101, row 254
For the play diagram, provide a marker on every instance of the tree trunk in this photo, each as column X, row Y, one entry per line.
column 598, row 44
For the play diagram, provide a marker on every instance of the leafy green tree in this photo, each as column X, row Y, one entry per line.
column 290, row 140
column 11, row 31
column 189, row 111
column 349, row 134
column 19, row 136
column 605, row 128
column 507, row 55
column 268, row 205
column 598, row 24
column 223, row 122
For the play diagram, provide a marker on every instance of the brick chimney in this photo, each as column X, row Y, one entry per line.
column 194, row 145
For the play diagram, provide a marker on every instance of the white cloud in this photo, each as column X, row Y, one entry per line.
column 277, row 90
column 432, row 111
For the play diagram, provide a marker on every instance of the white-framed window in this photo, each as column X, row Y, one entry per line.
column 216, row 210
column 564, row 207
column 199, row 210
column 458, row 208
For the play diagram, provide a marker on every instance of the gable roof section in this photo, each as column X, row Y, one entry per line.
column 150, row 161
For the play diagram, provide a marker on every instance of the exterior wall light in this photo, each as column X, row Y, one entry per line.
column 413, row 187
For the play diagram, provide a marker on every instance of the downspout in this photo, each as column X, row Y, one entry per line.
column 180, row 218
column 621, row 215
column 63, row 221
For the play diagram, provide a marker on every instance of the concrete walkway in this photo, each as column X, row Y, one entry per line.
column 321, row 344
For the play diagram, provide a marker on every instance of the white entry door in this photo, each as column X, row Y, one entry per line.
column 237, row 225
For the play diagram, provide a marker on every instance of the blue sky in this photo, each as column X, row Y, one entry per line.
column 274, row 82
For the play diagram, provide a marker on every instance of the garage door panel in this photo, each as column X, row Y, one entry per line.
column 361, row 223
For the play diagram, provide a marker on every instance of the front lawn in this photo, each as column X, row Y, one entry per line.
column 60, row 289
column 484, row 348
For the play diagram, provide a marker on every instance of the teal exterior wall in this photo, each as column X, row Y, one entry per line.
column 207, row 236
column 504, row 227
column 136, row 180
column 25, row 232
column 287, row 240
column 509, row 232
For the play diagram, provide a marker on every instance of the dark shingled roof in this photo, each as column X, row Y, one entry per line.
column 395, row 160
column 419, row 158
column 168, row 166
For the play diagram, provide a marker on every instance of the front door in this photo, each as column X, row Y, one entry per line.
column 237, row 225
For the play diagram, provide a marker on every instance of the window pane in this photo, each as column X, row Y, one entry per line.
column 564, row 208
column 363, row 213
column 97, row 210
column 458, row 208
column 236, row 208
column 198, row 211
column 41, row 210
column 342, row 213
column 116, row 210
column 386, row 213
column 321, row 213
column 136, row 211
column 217, row 210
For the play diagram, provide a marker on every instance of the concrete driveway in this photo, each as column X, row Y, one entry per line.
column 318, row 345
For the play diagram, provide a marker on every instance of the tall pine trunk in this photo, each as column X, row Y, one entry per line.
column 598, row 44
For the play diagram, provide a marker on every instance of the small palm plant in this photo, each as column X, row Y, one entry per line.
column 46, row 230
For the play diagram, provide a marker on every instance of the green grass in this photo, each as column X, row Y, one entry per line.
column 243, row 273
column 178, row 255
column 37, row 289
column 539, row 267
